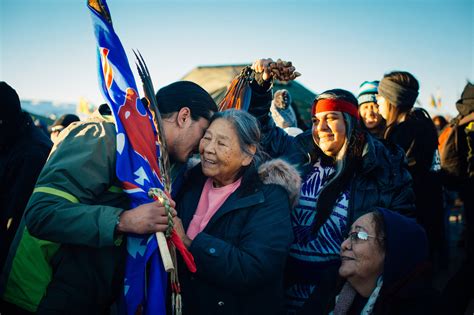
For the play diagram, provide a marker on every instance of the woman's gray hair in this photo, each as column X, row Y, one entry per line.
column 247, row 129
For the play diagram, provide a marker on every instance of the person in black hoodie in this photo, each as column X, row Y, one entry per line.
column 460, row 289
column 384, row 260
column 413, row 130
column 23, row 152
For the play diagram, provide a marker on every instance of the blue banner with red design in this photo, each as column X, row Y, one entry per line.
column 137, row 163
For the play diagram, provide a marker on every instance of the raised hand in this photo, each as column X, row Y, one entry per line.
column 280, row 70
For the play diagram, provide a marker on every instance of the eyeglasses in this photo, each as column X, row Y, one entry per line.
column 357, row 236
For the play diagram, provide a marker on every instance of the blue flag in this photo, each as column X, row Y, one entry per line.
column 137, row 163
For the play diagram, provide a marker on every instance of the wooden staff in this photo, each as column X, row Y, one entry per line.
column 164, row 161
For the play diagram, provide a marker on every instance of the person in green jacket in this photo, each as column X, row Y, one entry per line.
column 68, row 256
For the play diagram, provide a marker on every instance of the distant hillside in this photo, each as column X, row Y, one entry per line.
column 48, row 109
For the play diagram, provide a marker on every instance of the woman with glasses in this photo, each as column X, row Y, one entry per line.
column 384, row 263
column 344, row 172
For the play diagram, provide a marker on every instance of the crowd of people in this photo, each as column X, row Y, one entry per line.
column 346, row 217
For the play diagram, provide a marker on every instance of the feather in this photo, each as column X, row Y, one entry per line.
column 238, row 93
column 153, row 106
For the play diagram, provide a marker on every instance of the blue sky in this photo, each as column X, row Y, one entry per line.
column 48, row 51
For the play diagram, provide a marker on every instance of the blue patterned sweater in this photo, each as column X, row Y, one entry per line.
column 311, row 254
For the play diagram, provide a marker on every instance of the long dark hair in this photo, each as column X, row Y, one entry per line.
column 346, row 162
column 177, row 95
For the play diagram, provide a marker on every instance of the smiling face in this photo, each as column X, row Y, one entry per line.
column 362, row 260
column 329, row 132
column 369, row 112
column 221, row 155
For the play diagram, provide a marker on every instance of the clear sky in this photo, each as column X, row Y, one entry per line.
column 48, row 51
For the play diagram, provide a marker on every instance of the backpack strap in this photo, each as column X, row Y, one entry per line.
column 466, row 119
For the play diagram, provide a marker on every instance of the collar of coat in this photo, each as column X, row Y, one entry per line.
column 275, row 171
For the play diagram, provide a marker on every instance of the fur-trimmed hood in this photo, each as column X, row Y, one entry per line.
column 281, row 173
column 275, row 171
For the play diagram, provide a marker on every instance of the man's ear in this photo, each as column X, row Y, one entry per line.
column 184, row 117
column 249, row 157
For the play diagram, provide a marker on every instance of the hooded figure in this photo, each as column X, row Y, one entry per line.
column 11, row 116
column 384, row 260
column 460, row 289
column 23, row 152
column 465, row 105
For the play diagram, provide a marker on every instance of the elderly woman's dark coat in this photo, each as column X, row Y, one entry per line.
column 241, row 253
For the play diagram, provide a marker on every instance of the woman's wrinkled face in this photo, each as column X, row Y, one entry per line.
column 383, row 106
column 329, row 132
column 369, row 112
column 362, row 260
column 221, row 155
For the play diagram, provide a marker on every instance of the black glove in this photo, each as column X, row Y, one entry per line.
column 261, row 98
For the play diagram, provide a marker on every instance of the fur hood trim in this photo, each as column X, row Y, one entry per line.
column 281, row 173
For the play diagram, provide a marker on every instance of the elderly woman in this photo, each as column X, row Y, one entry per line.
column 384, row 260
column 344, row 172
column 235, row 217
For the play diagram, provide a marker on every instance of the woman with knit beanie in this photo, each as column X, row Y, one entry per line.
column 344, row 172
column 413, row 130
column 369, row 109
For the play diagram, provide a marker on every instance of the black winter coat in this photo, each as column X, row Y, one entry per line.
column 21, row 161
column 241, row 253
column 418, row 138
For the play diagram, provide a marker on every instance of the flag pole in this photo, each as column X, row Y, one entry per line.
column 164, row 161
